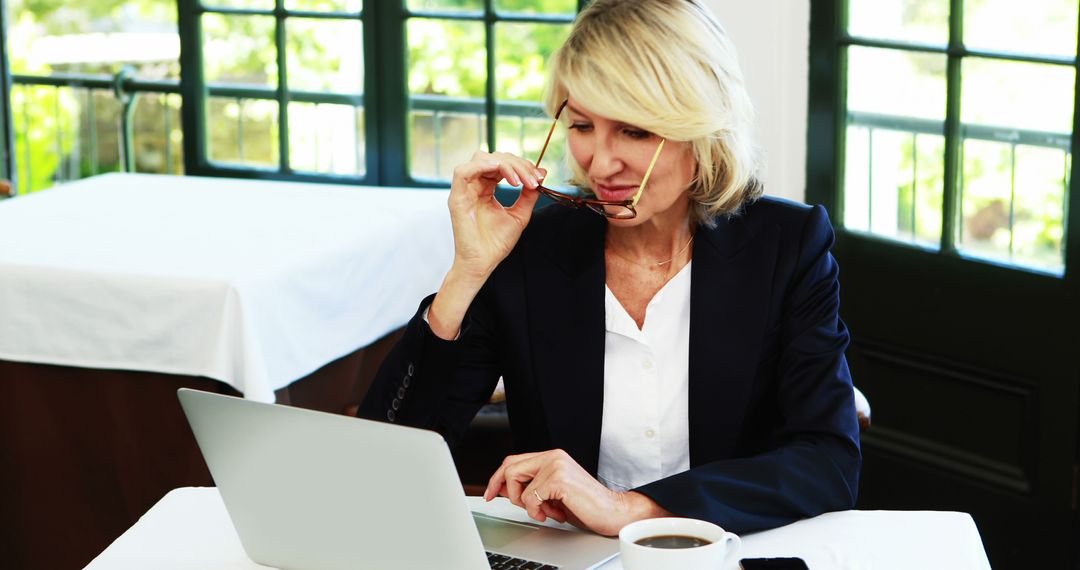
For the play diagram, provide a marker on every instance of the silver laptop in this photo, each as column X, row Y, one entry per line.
column 316, row 491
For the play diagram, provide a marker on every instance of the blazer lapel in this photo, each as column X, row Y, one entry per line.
column 565, row 291
column 730, row 287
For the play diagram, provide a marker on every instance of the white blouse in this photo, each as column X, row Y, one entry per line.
column 645, row 433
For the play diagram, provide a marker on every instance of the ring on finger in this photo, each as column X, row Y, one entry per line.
column 538, row 498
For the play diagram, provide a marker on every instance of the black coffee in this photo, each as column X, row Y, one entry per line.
column 672, row 541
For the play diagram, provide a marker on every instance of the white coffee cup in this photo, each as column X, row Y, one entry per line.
column 722, row 545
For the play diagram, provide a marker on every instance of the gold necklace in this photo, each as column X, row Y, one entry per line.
column 657, row 263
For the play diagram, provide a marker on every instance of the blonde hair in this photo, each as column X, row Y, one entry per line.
column 666, row 66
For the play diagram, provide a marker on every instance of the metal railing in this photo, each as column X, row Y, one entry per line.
column 1010, row 136
column 122, row 87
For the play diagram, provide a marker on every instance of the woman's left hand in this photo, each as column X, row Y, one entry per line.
column 551, row 484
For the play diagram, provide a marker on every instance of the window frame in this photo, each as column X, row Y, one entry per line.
column 385, row 100
column 827, row 126
column 8, row 169
column 195, row 89
column 490, row 17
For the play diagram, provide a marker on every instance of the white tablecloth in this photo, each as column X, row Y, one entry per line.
column 189, row 528
column 253, row 283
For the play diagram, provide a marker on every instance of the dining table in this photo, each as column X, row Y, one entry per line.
column 190, row 528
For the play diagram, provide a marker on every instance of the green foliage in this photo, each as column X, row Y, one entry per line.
column 446, row 58
column 239, row 49
column 44, row 144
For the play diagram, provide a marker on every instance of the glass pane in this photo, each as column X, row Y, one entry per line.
column 447, row 79
column 857, row 178
column 326, row 138
column 42, row 127
column 1016, row 140
column 986, row 191
column 520, row 54
column 91, row 37
column 325, row 55
column 239, row 49
column 893, row 183
column 1014, row 203
column 256, row 4
column 441, row 140
column 928, row 168
column 325, row 5
column 447, row 58
column 243, row 131
column 921, row 21
column 101, row 115
column 1033, row 26
column 1003, row 94
column 446, row 5
column 1039, row 228
column 158, row 141
column 567, row 7
column 893, row 82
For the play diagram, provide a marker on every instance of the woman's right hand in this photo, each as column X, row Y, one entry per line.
column 484, row 231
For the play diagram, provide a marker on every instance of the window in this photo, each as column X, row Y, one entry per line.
column 955, row 123
column 390, row 93
column 282, row 84
column 509, row 40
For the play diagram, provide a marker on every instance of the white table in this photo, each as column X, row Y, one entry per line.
column 135, row 285
column 253, row 283
column 189, row 528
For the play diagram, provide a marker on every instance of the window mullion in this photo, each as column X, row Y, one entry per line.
column 489, row 85
column 1072, row 211
column 7, row 145
column 372, row 123
column 950, row 213
column 282, row 87
column 386, row 97
column 825, row 120
column 192, row 88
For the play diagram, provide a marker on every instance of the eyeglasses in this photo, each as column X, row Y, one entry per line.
column 617, row 209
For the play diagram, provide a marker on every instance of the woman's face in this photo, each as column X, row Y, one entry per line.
column 615, row 157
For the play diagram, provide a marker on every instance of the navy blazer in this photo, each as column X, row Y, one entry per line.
column 773, row 432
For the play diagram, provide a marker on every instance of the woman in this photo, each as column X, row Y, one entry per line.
column 678, row 354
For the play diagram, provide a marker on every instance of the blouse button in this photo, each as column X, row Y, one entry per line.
column 646, row 364
column 649, row 433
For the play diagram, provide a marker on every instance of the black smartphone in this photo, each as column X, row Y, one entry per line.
column 773, row 564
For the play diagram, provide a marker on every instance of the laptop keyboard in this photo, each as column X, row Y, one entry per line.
column 503, row 562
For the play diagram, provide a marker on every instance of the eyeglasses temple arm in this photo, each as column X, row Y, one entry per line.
column 550, row 132
column 648, row 173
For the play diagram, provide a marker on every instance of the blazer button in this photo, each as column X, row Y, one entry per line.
column 410, row 370
column 390, row 415
column 401, row 393
column 395, row 404
column 406, row 381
